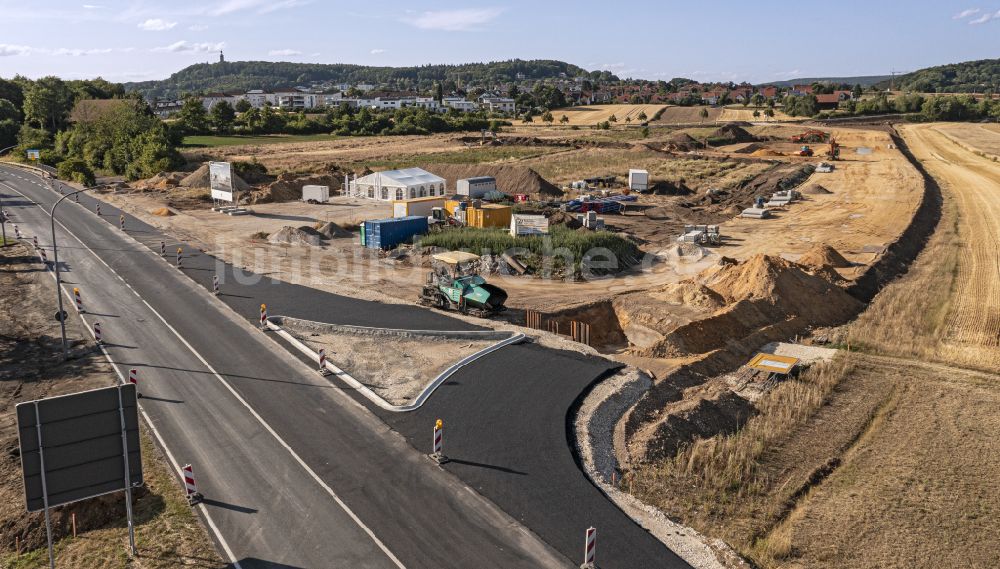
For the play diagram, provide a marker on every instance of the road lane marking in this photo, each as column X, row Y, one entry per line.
column 354, row 517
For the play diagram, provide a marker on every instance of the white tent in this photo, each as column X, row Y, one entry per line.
column 392, row 185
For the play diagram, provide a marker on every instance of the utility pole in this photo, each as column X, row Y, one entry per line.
column 55, row 263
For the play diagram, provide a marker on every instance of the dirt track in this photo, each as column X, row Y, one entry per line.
column 974, row 314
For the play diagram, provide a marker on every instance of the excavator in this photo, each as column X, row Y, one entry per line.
column 834, row 152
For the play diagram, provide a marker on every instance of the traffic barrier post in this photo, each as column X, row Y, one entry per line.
column 215, row 284
column 133, row 378
column 322, row 362
column 193, row 496
column 263, row 317
column 121, row 221
column 180, row 255
column 17, row 232
column 78, row 300
column 98, row 210
column 34, row 241
column 163, row 249
column 438, row 448
column 589, row 549
column 97, row 333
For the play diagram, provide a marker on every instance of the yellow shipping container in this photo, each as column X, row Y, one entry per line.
column 451, row 206
column 489, row 216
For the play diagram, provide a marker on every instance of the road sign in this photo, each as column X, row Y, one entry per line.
column 34, row 154
column 61, row 316
column 80, row 443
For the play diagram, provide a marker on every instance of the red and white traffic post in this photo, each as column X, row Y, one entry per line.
column 98, row 212
column 78, row 300
column 17, row 232
column 438, row 454
column 180, row 255
column 121, row 221
column 215, row 284
column 163, row 249
column 263, row 317
column 193, row 496
column 45, row 258
column 133, row 378
column 322, row 362
column 34, row 241
column 97, row 333
column 589, row 549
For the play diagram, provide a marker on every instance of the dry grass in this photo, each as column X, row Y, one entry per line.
column 593, row 114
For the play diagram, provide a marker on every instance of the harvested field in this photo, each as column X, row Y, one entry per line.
column 688, row 115
column 168, row 533
column 981, row 138
column 729, row 114
column 593, row 114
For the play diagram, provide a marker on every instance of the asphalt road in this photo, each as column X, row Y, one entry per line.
column 271, row 441
column 507, row 416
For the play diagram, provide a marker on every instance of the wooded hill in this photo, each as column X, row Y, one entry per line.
column 966, row 77
column 243, row 75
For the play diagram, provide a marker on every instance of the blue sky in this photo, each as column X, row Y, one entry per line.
column 125, row 40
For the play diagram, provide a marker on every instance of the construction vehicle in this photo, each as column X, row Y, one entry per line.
column 454, row 284
column 812, row 135
column 804, row 151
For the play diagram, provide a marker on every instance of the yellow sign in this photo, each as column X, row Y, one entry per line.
column 773, row 363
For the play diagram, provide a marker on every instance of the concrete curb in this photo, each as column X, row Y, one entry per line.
column 273, row 323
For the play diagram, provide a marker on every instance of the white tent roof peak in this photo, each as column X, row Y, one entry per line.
column 405, row 177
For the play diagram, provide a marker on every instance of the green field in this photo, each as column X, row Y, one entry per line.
column 236, row 140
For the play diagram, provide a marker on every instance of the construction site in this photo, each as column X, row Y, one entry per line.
column 737, row 269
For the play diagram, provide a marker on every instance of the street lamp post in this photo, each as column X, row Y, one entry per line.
column 55, row 263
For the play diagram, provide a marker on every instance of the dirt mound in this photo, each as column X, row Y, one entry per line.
column 163, row 212
column 201, row 178
column 564, row 218
column 331, row 230
column 666, row 187
column 510, row 179
column 295, row 236
column 765, row 152
column 682, row 141
column 288, row 187
column 161, row 181
column 816, row 190
column 689, row 293
column 784, row 285
column 821, row 255
column 749, row 148
column 731, row 133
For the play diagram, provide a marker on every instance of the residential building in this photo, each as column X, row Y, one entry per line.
column 460, row 104
column 211, row 99
column 497, row 104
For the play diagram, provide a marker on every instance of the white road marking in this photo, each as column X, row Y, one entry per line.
column 239, row 398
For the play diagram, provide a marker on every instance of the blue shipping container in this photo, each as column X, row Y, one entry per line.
column 387, row 233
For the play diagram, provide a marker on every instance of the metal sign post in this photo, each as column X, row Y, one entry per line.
column 45, row 489
column 128, row 485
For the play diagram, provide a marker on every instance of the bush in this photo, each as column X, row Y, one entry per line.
column 76, row 169
column 586, row 251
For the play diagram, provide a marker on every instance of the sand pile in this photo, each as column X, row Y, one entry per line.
column 331, row 230
column 765, row 152
column 821, row 255
column 162, row 212
column 682, row 141
column 201, row 178
column 816, row 190
column 510, row 179
column 295, row 236
column 731, row 134
column 161, row 181
column 288, row 187
column 689, row 293
column 749, row 148
column 785, row 286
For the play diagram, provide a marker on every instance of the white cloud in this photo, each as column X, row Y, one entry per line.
column 184, row 46
column 92, row 7
column 258, row 6
column 76, row 52
column 965, row 13
column 378, row 51
column 984, row 18
column 455, row 20
column 7, row 49
column 284, row 52
column 198, row 28
column 156, row 25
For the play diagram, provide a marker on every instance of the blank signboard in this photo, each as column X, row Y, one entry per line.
column 81, row 440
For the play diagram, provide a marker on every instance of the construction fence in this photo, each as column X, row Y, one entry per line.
column 578, row 331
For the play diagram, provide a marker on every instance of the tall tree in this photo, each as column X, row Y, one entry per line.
column 193, row 116
column 47, row 103
column 243, row 106
column 13, row 92
column 222, row 116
